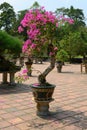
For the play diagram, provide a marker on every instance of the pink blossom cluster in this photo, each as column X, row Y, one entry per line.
column 53, row 52
column 28, row 46
column 22, row 76
column 62, row 20
column 40, row 24
column 70, row 21
column 36, row 22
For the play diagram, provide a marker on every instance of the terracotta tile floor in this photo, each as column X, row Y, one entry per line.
column 68, row 110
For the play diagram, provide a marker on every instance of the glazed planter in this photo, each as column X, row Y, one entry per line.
column 28, row 66
column 42, row 96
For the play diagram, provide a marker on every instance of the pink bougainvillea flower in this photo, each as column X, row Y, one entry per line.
column 33, row 46
column 56, row 24
column 24, row 71
column 24, row 48
column 20, row 29
column 39, row 24
column 28, row 42
column 55, row 48
column 51, row 53
column 71, row 21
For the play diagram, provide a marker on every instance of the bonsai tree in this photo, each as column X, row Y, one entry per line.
column 62, row 56
column 9, row 47
column 41, row 27
column 9, row 44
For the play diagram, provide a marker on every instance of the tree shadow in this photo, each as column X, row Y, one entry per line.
column 67, row 118
column 15, row 88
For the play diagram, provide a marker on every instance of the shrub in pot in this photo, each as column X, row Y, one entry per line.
column 28, row 64
column 9, row 47
column 41, row 27
column 61, row 57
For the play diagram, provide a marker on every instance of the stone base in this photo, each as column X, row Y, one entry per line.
column 43, row 108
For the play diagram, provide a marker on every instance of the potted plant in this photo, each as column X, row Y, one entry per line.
column 10, row 47
column 61, row 57
column 41, row 27
column 28, row 64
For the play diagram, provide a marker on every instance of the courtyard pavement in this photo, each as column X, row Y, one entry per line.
column 68, row 110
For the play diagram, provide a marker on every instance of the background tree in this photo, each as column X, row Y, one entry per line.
column 19, row 17
column 73, row 38
column 75, row 44
column 35, row 5
column 76, row 14
column 7, row 17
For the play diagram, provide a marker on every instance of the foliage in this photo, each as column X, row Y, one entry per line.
column 19, row 17
column 35, row 5
column 22, row 76
column 73, row 38
column 9, row 44
column 76, row 14
column 41, row 27
column 75, row 44
column 7, row 17
column 62, row 55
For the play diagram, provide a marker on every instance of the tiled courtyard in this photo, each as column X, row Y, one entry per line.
column 68, row 110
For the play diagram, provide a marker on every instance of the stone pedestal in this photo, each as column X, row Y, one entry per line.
column 43, row 108
column 43, row 96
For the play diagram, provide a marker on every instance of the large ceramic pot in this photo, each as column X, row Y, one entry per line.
column 28, row 66
column 43, row 96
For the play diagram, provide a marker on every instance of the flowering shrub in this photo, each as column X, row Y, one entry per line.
column 22, row 76
column 41, row 28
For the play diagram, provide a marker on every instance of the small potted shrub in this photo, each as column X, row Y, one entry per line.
column 9, row 47
column 28, row 64
column 61, row 57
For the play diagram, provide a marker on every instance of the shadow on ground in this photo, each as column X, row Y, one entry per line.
column 66, row 118
column 17, row 88
column 78, row 119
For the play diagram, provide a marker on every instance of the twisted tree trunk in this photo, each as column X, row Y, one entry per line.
column 42, row 77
